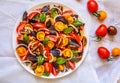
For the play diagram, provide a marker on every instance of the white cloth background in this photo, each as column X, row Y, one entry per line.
column 92, row 70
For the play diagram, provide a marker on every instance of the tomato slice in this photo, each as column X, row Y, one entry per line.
column 39, row 25
column 31, row 15
column 48, row 67
column 76, row 37
column 54, row 72
column 71, row 65
column 67, row 13
column 21, row 26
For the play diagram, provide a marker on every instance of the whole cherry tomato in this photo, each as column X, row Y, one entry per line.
column 103, row 53
column 102, row 15
column 92, row 6
column 101, row 31
column 116, row 52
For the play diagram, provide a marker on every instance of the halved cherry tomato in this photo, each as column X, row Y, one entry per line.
column 71, row 65
column 92, row 6
column 39, row 25
column 76, row 37
column 21, row 51
column 52, row 37
column 48, row 67
column 64, row 41
column 31, row 15
column 40, row 35
column 60, row 26
column 50, row 44
column 47, row 52
column 67, row 53
column 103, row 53
column 19, row 37
column 39, row 70
column 67, row 13
column 21, row 26
column 54, row 72
column 101, row 31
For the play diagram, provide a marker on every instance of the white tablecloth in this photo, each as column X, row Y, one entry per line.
column 92, row 70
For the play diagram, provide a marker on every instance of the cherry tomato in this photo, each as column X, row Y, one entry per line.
column 54, row 72
column 92, row 6
column 103, row 53
column 67, row 13
column 102, row 15
column 76, row 37
column 39, row 25
column 48, row 67
column 71, row 65
column 116, row 52
column 31, row 15
column 112, row 30
column 101, row 31
column 21, row 26
column 21, row 51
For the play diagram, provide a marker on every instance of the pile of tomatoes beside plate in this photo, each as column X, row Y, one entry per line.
column 102, row 31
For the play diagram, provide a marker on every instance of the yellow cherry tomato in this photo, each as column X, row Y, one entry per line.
column 39, row 70
column 50, row 44
column 64, row 41
column 67, row 53
column 61, row 67
column 21, row 51
column 59, row 26
column 116, row 52
column 28, row 26
column 40, row 36
column 102, row 14
column 69, row 19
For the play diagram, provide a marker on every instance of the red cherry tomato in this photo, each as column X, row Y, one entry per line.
column 67, row 13
column 103, row 52
column 92, row 6
column 71, row 65
column 31, row 15
column 54, row 72
column 39, row 25
column 21, row 26
column 101, row 30
column 48, row 67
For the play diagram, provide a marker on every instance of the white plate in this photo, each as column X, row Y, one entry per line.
column 61, row 74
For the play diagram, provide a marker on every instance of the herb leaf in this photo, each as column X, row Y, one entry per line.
column 77, row 23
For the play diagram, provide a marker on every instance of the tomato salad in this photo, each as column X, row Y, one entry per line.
column 51, row 39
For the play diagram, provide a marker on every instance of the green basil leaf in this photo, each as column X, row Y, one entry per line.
column 75, row 53
column 67, row 30
column 40, row 59
column 60, row 60
column 36, row 16
column 77, row 23
column 45, row 41
column 42, row 17
column 25, row 38
column 53, row 13
column 46, row 73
